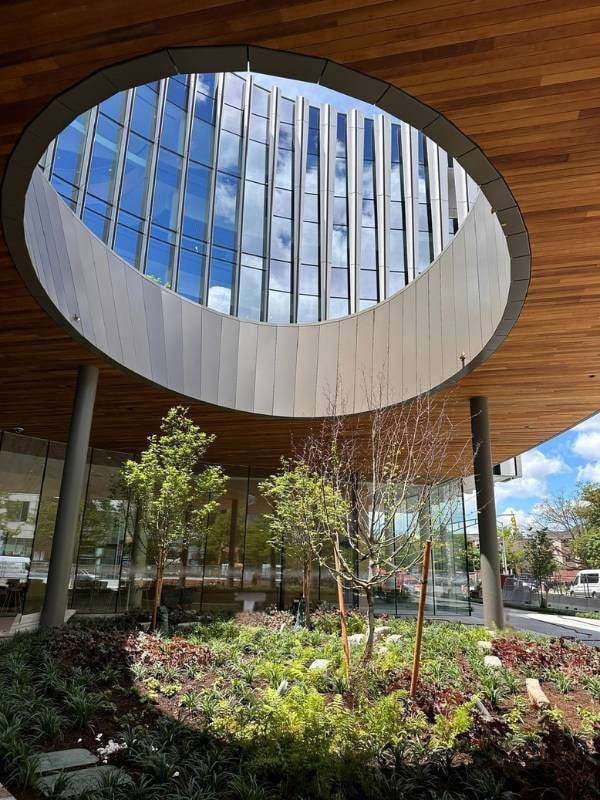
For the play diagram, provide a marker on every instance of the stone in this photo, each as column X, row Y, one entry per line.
column 382, row 651
column 394, row 638
column 357, row 639
column 483, row 712
column 383, row 630
column 5, row 794
column 536, row 693
column 484, row 646
column 493, row 662
column 283, row 687
column 319, row 665
column 80, row 780
column 66, row 759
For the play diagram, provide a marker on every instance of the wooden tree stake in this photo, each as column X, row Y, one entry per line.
column 420, row 619
column 342, row 605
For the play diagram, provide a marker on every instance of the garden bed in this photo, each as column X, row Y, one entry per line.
column 233, row 710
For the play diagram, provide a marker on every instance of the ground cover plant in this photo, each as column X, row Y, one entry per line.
column 233, row 710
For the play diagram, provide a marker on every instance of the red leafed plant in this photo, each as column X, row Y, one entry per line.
column 572, row 656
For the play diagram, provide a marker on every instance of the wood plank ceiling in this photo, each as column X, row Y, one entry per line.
column 522, row 79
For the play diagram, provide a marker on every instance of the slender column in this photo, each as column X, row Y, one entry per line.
column 493, row 608
column 71, row 487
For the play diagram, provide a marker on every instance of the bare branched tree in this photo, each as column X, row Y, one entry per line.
column 389, row 463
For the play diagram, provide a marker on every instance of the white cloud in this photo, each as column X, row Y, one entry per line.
column 589, row 472
column 525, row 519
column 538, row 465
column 587, row 444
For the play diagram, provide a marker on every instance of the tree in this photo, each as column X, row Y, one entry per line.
column 302, row 510
column 174, row 499
column 563, row 513
column 390, row 466
column 586, row 548
column 511, row 542
column 539, row 556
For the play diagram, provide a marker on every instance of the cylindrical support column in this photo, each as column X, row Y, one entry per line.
column 493, row 608
column 71, row 487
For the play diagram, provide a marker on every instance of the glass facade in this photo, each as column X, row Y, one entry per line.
column 110, row 572
column 257, row 204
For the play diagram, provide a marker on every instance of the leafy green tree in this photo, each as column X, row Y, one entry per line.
column 586, row 548
column 589, row 501
column 303, row 509
column 173, row 496
column 511, row 542
column 539, row 557
column 473, row 556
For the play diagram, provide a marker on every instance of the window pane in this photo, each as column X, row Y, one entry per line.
column 136, row 175
column 127, row 244
column 225, row 214
column 229, row 152
column 159, row 261
column 221, row 280
column 69, row 150
column 368, row 285
column 253, row 231
column 190, row 275
column 310, row 243
column 195, row 210
column 281, row 239
column 308, row 309
column 282, row 203
column 279, row 307
column 143, row 115
column 256, row 162
column 250, row 293
column 103, row 163
column 166, row 191
column 202, row 142
column 280, row 276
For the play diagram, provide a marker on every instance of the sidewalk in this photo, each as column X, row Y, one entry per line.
column 580, row 628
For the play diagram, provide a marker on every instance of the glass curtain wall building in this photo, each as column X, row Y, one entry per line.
column 260, row 205
column 233, row 562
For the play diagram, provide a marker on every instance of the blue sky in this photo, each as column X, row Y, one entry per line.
column 552, row 467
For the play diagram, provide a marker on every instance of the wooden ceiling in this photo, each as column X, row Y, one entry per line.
column 522, row 79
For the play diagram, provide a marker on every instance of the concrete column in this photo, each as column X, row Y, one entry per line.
column 493, row 608
column 69, row 502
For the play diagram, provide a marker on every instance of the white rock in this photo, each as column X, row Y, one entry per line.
column 382, row 631
column 535, row 693
column 484, row 646
column 394, row 638
column 319, row 665
column 493, row 662
column 382, row 651
column 356, row 639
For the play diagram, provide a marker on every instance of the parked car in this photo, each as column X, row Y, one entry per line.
column 586, row 583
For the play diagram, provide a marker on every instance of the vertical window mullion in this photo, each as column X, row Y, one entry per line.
column 85, row 161
column 116, row 195
column 162, row 94
column 213, row 183
column 191, row 97
column 241, row 192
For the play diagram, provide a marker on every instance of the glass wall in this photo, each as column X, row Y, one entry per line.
column 232, row 563
column 241, row 195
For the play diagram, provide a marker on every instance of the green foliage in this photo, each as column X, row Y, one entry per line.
column 305, row 509
column 539, row 556
column 174, row 497
column 586, row 548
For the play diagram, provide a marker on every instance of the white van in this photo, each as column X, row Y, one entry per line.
column 586, row 583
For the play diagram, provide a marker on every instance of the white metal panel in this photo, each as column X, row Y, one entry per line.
column 306, row 371
column 265, row 369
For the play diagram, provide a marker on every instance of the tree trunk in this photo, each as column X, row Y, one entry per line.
column 307, row 579
column 370, row 623
column 158, row 584
column 183, row 559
